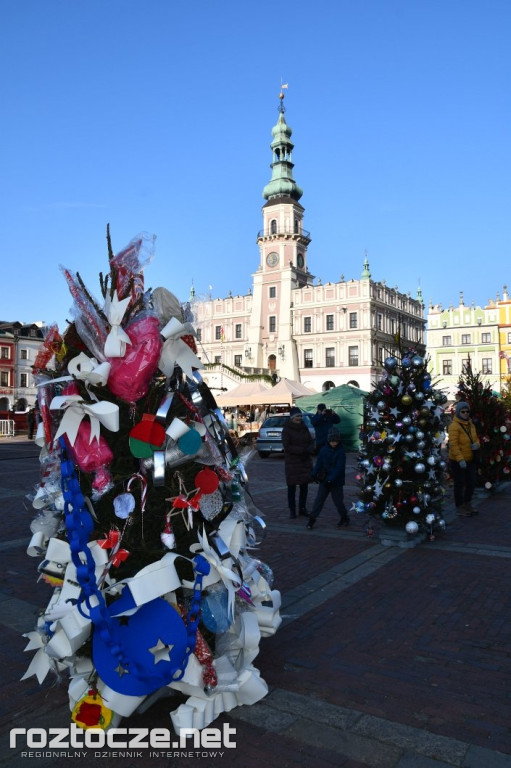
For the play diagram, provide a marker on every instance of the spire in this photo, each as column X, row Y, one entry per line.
column 366, row 272
column 282, row 183
column 192, row 293
column 419, row 295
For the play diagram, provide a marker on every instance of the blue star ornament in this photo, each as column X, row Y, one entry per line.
column 143, row 655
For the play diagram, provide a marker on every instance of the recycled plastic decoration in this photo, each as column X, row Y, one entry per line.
column 144, row 525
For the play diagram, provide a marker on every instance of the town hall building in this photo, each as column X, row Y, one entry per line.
column 292, row 325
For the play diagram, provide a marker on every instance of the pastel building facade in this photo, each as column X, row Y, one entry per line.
column 469, row 334
column 292, row 325
column 19, row 345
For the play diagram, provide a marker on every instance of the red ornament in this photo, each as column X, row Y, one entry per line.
column 206, row 481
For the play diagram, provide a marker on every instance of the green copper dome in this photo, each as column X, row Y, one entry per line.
column 282, row 183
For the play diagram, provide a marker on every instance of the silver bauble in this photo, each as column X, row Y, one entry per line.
column 420, row 468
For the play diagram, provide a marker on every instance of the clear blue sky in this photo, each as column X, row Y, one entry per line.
column 156, row 116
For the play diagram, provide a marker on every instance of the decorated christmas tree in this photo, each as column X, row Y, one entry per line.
column 492, row 419
column 144, row 530
column 400, row 465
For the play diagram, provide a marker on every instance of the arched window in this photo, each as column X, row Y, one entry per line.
column 273, row 227
column 328, row 385
column 272, row 362
column 297, row 226
column 354, row 383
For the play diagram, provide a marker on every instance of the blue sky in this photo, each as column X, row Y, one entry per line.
column 156, row 116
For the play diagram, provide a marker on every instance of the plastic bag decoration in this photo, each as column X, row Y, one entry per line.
column 142, row 528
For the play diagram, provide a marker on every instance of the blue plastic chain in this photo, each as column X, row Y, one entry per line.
column 79, row 525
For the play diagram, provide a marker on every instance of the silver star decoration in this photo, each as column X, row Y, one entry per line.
column 122, row 670
column 397, row 437
column 161, row 651
column 394, row 411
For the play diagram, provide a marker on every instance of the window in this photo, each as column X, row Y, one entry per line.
column 509, row 338
column 352, row 355
column 4, row 378
column 465, row 338
column 447, row 367
column 218, row 359
column 307, row 324
column 23, row 354
column 446, row 341
column 272, row 324
column 237, row 360
column 487, row 365
column 353, row 319
column 485, row 338
column 273, row 227
column 379, row 320
column 466, row 365
column 330, row 322
column 330, row 357
column 23, row 380
column 237, row 331
column 272, row 293
column 199, row 334
column 307, row 358
column 5, row 353
column 218, row 332
column 392, row 326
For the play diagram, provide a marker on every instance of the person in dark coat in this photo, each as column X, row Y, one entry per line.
column 298, row 447
column 329, row 470
column 322, row 421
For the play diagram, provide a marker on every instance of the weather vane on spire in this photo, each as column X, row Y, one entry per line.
column 281, row 95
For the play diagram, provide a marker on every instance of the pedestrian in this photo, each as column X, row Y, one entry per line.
column 31, row 422
column 298, row 447
column 322, row 421
column 463, row 455
column 329, row 471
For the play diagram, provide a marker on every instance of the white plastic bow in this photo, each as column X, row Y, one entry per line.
column 230, row 578
column 76, row 409
column 175, row 351
column 115, row 344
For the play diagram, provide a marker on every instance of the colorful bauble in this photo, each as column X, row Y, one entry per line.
column 90, row 712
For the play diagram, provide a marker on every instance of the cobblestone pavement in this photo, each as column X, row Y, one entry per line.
column 387, row 656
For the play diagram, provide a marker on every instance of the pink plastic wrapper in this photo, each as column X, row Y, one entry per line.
column 131, row 375
column 92, row 457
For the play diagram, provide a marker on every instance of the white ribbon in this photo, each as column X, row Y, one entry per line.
column 76, row 409
column 176, row 351
column 89, row 370
column 229, row 577
column 115, row 344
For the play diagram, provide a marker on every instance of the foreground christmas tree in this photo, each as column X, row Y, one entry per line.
column 401, row 468
column 143, row 528
column 492, row 419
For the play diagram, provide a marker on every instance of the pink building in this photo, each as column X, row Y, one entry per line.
column 290, row 324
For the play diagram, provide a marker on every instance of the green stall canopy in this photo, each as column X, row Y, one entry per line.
column 348, row 403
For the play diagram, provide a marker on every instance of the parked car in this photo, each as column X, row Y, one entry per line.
column 270, row 434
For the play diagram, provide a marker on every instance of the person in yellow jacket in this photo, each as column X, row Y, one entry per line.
column 463, row 453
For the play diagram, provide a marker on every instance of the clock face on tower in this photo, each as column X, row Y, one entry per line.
column 272, row 259
column 299, row 260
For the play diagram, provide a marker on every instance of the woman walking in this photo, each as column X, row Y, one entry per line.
column 298, row 446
